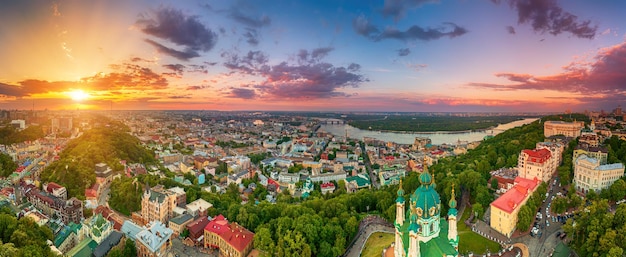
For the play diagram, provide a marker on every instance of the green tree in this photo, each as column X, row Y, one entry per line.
column 129, row 248
column 618, row 190
column 478, row 209
column 559, row 205
column 7, row 165
column 125, row 195
column 524, row 218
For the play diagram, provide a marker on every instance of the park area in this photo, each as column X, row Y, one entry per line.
column 469, row 241
column 376, row 243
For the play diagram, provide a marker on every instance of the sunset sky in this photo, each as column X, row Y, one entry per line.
column 322, row 55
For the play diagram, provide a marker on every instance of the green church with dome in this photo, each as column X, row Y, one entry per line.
column 422, row 232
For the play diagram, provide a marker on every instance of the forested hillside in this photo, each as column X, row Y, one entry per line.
column 10, row 135
column 107, row 143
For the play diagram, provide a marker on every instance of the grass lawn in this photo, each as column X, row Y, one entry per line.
column 376, row 243
column 470, row 241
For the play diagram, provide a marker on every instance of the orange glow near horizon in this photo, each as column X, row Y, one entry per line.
column 78, row 95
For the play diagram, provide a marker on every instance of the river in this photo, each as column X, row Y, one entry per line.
column 437, row 138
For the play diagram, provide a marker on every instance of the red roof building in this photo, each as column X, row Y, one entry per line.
column 536, row 164
column 327, row 187
column 504, row 210
column 230, row 238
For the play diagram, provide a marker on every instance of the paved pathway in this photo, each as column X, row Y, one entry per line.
column 524, row 249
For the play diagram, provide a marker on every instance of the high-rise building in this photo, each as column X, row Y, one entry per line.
column 61, row 125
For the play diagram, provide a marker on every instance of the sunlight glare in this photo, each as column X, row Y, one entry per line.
column 78, row 95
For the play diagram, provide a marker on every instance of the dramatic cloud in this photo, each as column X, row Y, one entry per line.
column 398, row 8
column 186, row 31
column 126, row 76
column 249, row 64
column 193, row 88
column 404, row 51
column 183, row 56
column 310, row 78
column 510, row 29
column 314, row 56
column 548, row 16
column 604, row 75
column 363, row 27
column 243, row 93
column 251, row 36
column 176, row 68
column 249, row 21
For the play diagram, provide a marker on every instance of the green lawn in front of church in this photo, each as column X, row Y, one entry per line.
column 376, row 243
column 470, row 241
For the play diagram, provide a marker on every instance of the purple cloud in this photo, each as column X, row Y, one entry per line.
column 404, row 51
column 605, row 75
column 250, row 21
column 398, row 8
column 249, row 63
column 174, row 26
column 510, row 29
column 548, row 16
column 363, row 27
column 243, row 93
column 310, row 78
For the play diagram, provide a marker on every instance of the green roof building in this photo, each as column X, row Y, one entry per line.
column 422, row 232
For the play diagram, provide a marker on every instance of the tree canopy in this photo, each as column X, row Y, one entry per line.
column 23, row 237
column 108, row 144
column 10, row 135
column 7, row 165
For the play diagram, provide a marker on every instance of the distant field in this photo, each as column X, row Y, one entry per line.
column 427, row 123
column 376, row 243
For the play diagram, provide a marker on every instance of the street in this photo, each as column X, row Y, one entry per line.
column 180, row 250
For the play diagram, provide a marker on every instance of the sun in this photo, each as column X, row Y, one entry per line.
column 78, row 95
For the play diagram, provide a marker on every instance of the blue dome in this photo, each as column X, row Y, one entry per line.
column 426, row 201
column 426, row 178
column 452, row 203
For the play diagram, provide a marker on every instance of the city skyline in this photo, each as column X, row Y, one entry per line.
column 394, row 55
